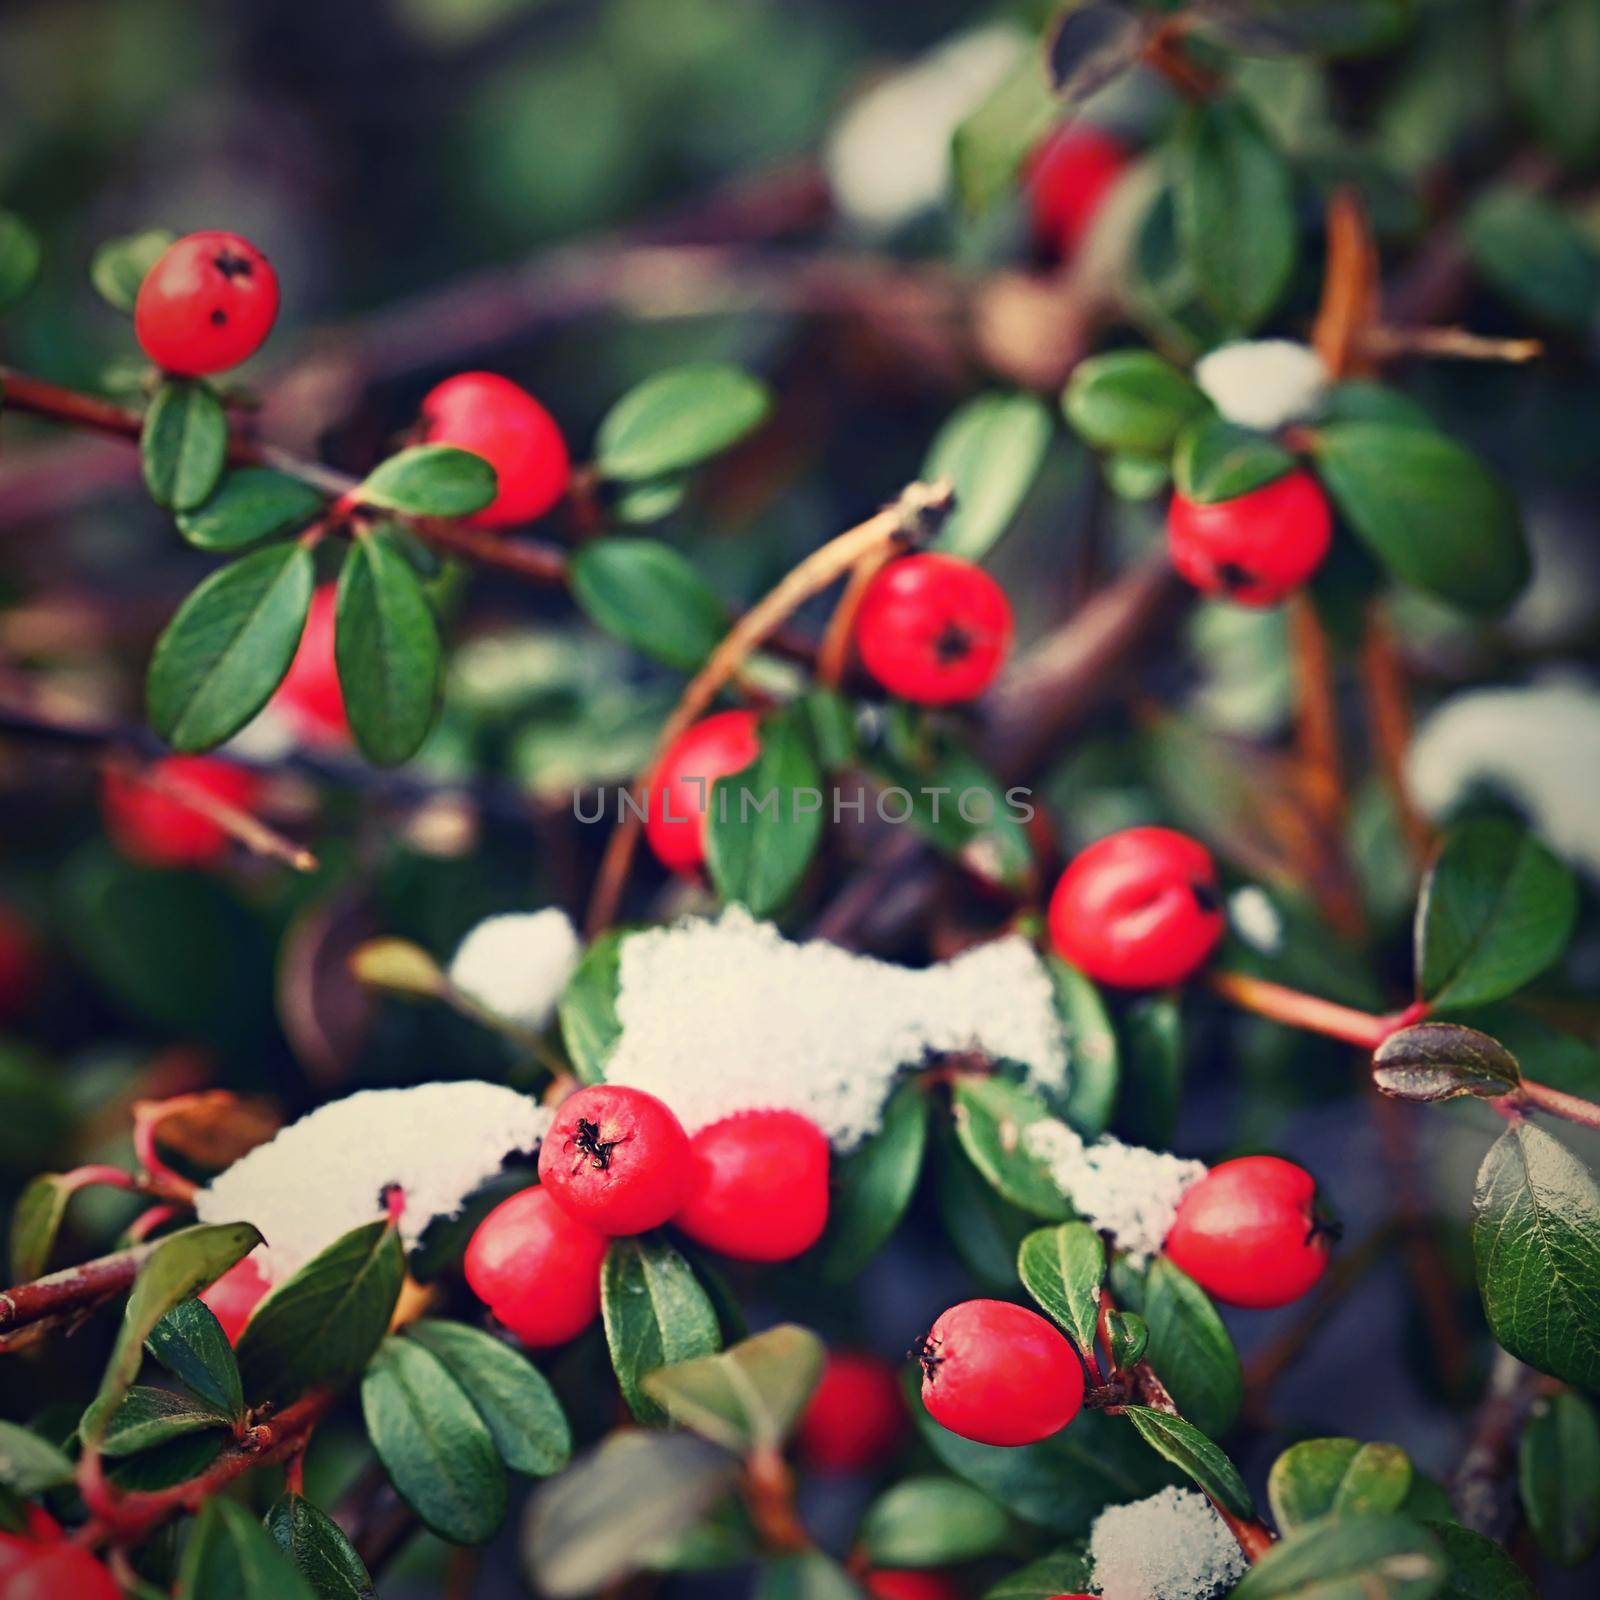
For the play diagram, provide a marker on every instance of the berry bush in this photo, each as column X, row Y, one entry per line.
column 800, row 800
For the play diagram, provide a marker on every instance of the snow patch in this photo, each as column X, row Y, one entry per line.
column 1171, row 1546
column 326, row 1174
column 727, row 1015
column 1263, row 383
column 517, row 965
column 1123, row 1190
column 1256, row 920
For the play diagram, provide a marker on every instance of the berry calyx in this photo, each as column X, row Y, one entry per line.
column 999, row 1374
column 42, row 1564
column 933, row 629
column 760, row 1186
column 158, row 829
column 207, row 304
column 310, row 696
column 235, row 1295
column 888, row 1583
column 679, row 799
column 855, row 1416
column 499, row 420
column 536, row 1269
column 1257, row 547
column 616, row 1159
column 1138, row 909
column 1248, row 1232
column 1069, row 176
column 19, row 966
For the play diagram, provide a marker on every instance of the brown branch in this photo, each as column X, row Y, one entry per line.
column 1482, row 1488
column 72, row 1289
column 1350, row 283
column 1458, row 344
column 918, row 507
column 1315, row 1015
column 1389, row 720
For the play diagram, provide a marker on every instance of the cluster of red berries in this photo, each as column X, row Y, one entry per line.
column 617, row 1161
column 1257, row 547
column 1247, row 1232
column 43, row 1564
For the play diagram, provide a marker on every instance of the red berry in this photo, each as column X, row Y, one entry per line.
column 999, row 1374
column 500, row 421
column 760, row 1186
column 1069, row 176
column 536, row 1269
column 235, row 1295
column 1138, row 909
column 310, row 697
column 616, row 1159
column 933, row 629
column 1248, row 1232
column 1255, row 548
column 42, row 1565
column 160, row 830
column 888, row 1584
column 855, row 1416
column 679, row 798
column 19, row 966
column 207, row 304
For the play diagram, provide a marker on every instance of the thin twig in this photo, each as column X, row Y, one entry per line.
column 1389, row 720
column 1481, row 1490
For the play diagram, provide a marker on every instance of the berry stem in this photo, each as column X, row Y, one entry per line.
column 1557, row 1102
column 769, row 1495
column 1315, row 1015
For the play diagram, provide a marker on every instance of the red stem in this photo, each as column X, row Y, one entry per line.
column 71, row 1289
column 1313, row 1014
column 1559, row 1103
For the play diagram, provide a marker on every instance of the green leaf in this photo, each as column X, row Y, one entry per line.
column 119, row 266
column 810, row 1576
column 1061, row 1572
column 648, row 501
column 1131, row 477
column 761, row 828
column 1217, row 460
column 1191, row 1348
column 1441, row 1061
column 1192, row 1452
column 150, row 1417
column 321, row 1554
column 1129, row 1336
column 1311, row 27
column 1091, row 1044
column 179, row 1460
column 990, row 145
column 1062, row 1483
column 319, row 1326
column 1496, row 909
column 35, row 1222
column 588, row 1007
column 28, row 1464
column 20, row 254
column 651, row 597
column 873, row 1185
column 230, row 1556
column 251, row 504
column 678, row 419
column 932, row 1522
column 228, row 647
column 184, row 444
column 512, row 1396
column 1558, row 1470
column 992, row 1117
column 1344, row 1477
column 617, row 1506
column 190, row 1344
column 1554, row 60
column 431, row 480
column 386, row 646
column 1479, row 1568
column 437, row 1450
column 1535, row 254
column 1131, row 401
column 181, row 1264
column 1152, row 1069
column 747, row 1397
column 1364, row 400
column 1225, row 168
column 656, row 1315
column 1428, row 509
column 991, row 449
column 1536, row 1239
column 1348, row 1558
column 985, row 1230
column 1062, row 1268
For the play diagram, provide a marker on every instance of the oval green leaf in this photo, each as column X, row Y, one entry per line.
column 28, row 1464
column 431, row 480
column 149, row 1417
column 119, row 266
column 1442, row 1061
column 991, row 449
column 873, row 1185
column 1217, row 460
column 1192, row 1452
column 229, row 646
column 678, row 419
column 1191, row 1348
column 317, row 1547
column 251, row 504
column 656, row 1315
column 1348, row 1558
column 651, row 597
column 931, row 1522
column 1062, row 1268
column 750, row 1395
column 230, row 1556
column 184, row 444
column 587, row 1009
column 1320, row 1477
column 190, row 1344
column 992, row 1117
column 20, row 255
column 1558, row 1471
column 1131, row 401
